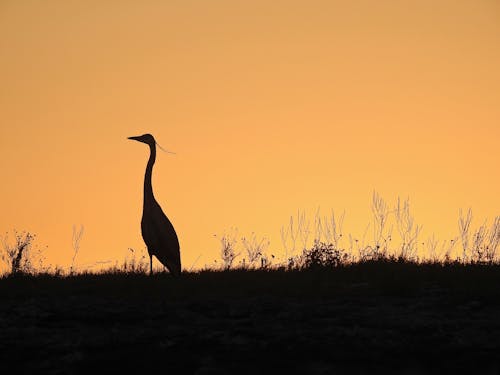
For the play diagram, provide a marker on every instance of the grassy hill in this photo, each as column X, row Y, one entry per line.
column 378, row 316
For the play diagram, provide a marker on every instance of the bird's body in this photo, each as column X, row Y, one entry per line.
column 157, row 230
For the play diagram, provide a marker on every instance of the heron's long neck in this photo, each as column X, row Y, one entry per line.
column 148, row 188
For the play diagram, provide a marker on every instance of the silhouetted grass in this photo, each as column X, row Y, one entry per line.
column 385, row 316
column 385, row 276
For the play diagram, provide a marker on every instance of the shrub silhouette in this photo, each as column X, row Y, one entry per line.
column 18, row 255
column 324, row 255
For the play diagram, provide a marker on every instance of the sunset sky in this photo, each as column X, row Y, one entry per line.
column 270, row 106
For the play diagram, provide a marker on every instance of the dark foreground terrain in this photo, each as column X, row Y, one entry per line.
column 387, row 318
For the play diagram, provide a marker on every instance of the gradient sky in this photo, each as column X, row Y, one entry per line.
column 271, row 106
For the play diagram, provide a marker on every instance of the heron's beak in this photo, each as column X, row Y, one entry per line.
column 135, row 138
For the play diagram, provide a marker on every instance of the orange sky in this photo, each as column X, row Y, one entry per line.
column 271, row 106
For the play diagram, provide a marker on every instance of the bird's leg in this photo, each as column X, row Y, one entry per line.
column 150, row 265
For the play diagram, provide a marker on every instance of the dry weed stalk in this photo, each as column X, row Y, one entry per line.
column 464, row 222
column 408, row 230
column 75, row 242
column 380, row 212
column 255, row 248
column 228, row 243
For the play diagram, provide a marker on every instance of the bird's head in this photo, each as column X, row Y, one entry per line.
column 149, row 140
column 145, row 138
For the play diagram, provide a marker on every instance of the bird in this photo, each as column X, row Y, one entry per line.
column 157, row 231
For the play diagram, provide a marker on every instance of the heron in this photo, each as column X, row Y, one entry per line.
column 157, row 230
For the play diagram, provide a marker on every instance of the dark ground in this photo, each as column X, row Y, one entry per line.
column 372, row 318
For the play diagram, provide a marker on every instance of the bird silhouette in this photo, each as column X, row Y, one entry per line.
column 157, row 230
